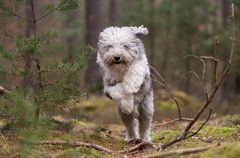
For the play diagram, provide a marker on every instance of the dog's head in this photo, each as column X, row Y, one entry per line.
column 120, row 45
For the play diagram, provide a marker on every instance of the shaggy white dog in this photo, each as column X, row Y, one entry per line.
column 126, row 76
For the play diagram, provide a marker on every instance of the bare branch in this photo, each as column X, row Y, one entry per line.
column 202, row 61
column 233, row 34
column 209, row 99
column 199, row 80
column 215, row 62
column 173, row 121
column 204, row 123
column 140, row 146
column 182, row 151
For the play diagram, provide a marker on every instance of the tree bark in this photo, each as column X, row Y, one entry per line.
column 229, row 86
column 71, row 39
column 92, row 32
column 114, row 11
column 28, row 79
column 225, row 11
column 152, row 31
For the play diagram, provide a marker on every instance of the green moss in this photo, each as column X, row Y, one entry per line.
column 185, row 99
column 88, row 104
column 164, row 136
column 165, row 105
column 225, row 151
column 169, row 133
column 217, row 132
column 168, row 104
column 230, row 120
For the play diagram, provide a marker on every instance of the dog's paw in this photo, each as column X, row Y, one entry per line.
column 135, row 141
column 147, row 139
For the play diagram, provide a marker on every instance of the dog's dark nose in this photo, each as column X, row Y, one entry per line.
column 117, row 58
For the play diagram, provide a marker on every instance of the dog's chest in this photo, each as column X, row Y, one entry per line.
column 115, row 75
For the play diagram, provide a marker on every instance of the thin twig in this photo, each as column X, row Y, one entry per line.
column 173, row 121
column 202, row 61
column 215, row 63
column 216, row 54
column 51, row 11
column 199, row 80
column 169, row 91
column 14, row 14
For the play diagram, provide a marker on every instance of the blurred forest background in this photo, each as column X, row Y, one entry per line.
column 48, row 54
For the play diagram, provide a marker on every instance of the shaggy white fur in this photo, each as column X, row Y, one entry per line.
column 126, row 76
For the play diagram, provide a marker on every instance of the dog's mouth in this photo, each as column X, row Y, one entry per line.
column 117, row 62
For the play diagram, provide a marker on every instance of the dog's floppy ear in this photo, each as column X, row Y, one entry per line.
column 139, row 31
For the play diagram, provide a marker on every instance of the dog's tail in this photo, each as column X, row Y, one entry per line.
column 141, row 30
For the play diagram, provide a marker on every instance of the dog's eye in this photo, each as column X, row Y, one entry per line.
column 126, row 47
column 107, row 47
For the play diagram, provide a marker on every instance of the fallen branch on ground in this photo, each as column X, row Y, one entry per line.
column 173, row 121
column 75, row 144
column 183, row 151
column 7, row 125
column 133, row 149
column 137, row 147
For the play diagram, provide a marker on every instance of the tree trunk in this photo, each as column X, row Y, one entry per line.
column 229, row 86
column 28, row 79
column 225, row 11
column 114, row 11
column 71, row 39
column 92, row 32
column 152, row 32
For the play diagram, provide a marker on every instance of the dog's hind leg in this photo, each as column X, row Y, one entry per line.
column 145, row 118
column 131, row 125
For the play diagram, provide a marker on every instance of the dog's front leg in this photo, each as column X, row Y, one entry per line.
column 126, row 101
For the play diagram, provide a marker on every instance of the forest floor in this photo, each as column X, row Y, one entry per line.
column 109, row 133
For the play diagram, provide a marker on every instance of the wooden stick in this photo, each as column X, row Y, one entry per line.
column 182, row 151
column 75, row 144
column 137, row 147
column 173, row 121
